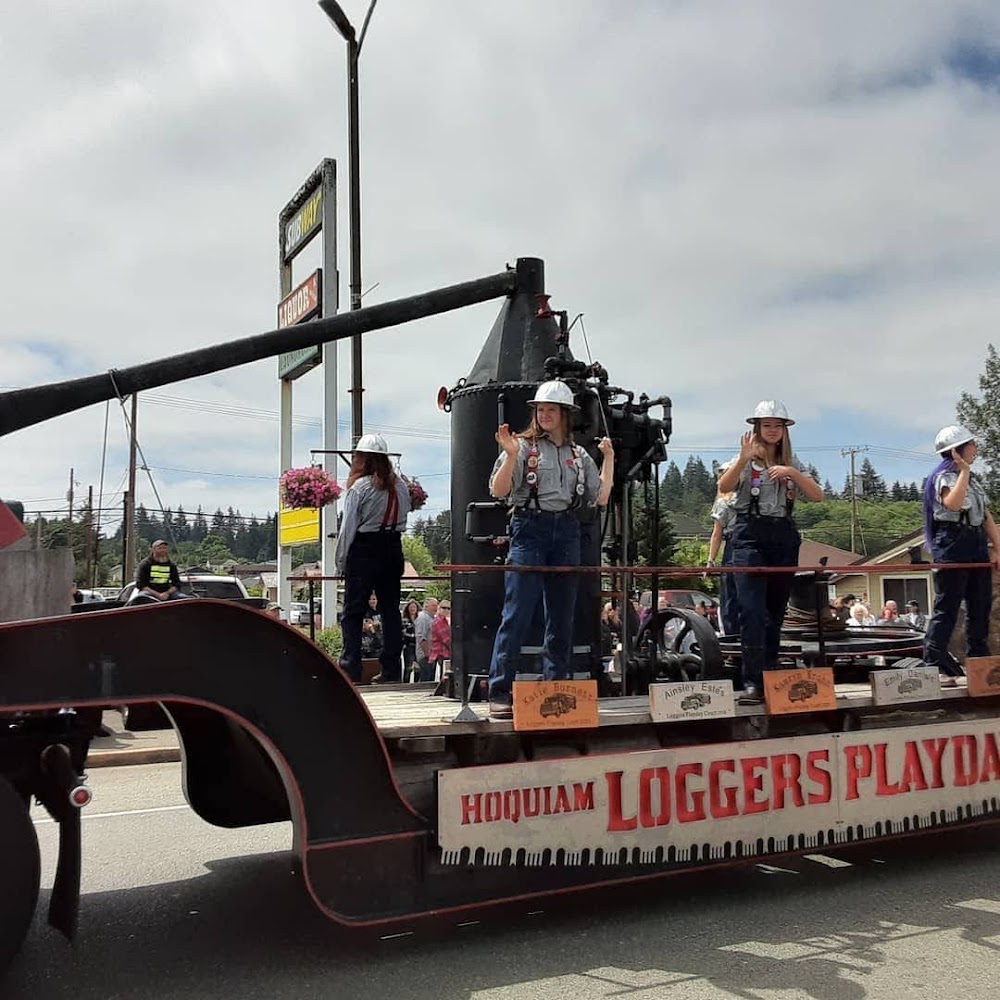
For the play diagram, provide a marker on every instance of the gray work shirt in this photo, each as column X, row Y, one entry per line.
column 975, row 503
column 723, row 514
column 364, row 511
column 422, row 628
column 560, row 470
column 772, row 496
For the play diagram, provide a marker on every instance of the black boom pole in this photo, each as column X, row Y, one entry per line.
column 21, row 408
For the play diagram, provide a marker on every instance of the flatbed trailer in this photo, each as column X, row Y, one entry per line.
column 404, row 810
column 400, row 814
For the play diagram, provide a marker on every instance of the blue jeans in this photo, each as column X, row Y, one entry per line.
column 537, row 538
column 953, row 542
column 763, row 541
column 729, row 602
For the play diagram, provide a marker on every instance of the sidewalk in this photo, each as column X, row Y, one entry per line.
column 122, row 747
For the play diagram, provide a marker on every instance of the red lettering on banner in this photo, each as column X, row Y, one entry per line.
column 935, row 750
column 532, row 804
column 820, row 776
column 494, row 807
column 690, row 805
column 913, row 771
column 882, row 786
column 472, row 809
column 617, row 823
column 547, row 796
column 721, row 800
column 583, row 796
column 859, row 765
column 647, row 776
column 966, row 760
column 753, row 783
column 786, row 770
column 991, row 759
column 562, row 801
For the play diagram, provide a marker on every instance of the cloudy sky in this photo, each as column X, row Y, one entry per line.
column 794, row 199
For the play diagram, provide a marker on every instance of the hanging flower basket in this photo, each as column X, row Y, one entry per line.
column 418, row 495
column 308, row 487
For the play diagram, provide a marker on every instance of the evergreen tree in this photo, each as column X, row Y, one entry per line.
column 199, row 527
column 872, row 483
column 672, row 488
column 643, row 518
column 897, row 492
column 828, row 491
column 435, row 532
column 698, row 487
column 982, row 416
column 182, row 530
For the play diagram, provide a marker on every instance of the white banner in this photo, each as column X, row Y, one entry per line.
column 749, row 798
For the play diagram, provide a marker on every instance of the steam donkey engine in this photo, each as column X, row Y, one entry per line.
column 529, row 344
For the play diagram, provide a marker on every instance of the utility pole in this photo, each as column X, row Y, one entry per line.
column 854, row 495
column 89, row 539
column 128, row 556
column 69, row 522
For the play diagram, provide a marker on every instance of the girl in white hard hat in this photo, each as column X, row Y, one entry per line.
column 767, row 479
column 546, row 479
column 957, row 526
column 370, row 554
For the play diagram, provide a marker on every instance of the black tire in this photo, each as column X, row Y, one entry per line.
column 683, row 646
column 20, row 872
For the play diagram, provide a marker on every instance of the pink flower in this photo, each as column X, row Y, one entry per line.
column 308, row 487
column 418, row 495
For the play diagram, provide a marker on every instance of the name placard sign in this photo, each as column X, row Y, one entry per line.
column 685, row 700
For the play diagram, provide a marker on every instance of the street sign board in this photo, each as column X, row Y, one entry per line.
column 301, row 304
column 304, row 224
column 298, row 527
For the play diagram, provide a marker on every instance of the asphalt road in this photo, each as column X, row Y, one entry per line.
column 174, row 908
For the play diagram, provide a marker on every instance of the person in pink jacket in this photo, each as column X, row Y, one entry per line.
column 441, row 635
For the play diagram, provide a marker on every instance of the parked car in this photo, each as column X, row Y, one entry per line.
column 198, row 582
column 687, row 599
column 298, row 613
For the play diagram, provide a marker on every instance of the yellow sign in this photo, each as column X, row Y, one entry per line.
column 298, row 527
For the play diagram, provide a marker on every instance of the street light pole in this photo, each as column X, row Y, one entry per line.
column 339, row 19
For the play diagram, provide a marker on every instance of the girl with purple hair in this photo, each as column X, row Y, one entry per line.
column 957, row 526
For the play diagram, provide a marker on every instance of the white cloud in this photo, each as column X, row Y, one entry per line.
column 791, row 199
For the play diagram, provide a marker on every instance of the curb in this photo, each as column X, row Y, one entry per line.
column 118, row 758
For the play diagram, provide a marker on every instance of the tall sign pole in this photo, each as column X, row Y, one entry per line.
column 311, row 212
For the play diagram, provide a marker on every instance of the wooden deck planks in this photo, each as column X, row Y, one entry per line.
column 408, row 711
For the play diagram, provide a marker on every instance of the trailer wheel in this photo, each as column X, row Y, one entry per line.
column 681, row 646
column 20, row 872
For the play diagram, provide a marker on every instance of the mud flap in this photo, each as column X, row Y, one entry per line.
column 20, row 871
column 60, row 778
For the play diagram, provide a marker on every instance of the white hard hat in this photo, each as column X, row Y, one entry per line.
column 771, row 409
column 374, row 444
column 952, row 436
column 554, row 392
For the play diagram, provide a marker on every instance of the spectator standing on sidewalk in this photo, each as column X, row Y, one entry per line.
column 423, row 636
column 440, row 649
column 410, row 614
